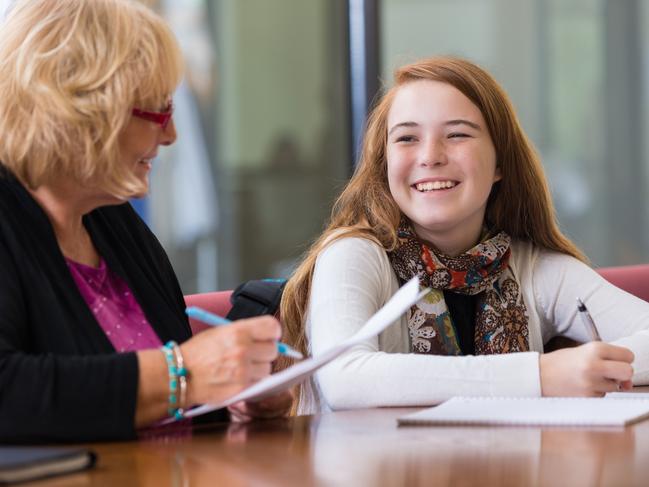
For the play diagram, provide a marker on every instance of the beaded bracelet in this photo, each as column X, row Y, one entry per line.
column 177, row 379
column 182, row 382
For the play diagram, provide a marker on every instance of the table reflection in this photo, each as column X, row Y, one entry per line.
column 236, row 454
column 366, row 447
column 379, row 452
column 581, row 456
column 345, row 449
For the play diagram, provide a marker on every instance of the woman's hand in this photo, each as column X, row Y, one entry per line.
column 590, row 370
column 268, row 408
column 223, row 361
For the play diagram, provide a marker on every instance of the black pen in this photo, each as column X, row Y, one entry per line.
column 588, row 321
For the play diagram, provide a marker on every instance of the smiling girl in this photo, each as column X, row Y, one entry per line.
column 449, row 189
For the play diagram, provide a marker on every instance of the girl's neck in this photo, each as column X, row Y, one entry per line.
column 453, row 242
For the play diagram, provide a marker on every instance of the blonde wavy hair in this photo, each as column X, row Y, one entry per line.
column 519, row 204
column 70, row 73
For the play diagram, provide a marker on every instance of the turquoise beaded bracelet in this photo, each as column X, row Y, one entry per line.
column 177, row 379
column 182, row 383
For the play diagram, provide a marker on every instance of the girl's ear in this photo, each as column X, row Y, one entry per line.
column 498, row 174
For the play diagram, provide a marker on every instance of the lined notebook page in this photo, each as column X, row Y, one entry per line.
column 532, row 411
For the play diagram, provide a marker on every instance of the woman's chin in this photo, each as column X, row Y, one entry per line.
column 142, row 190
column 138, row 196
column 143, row 177
column 142, row 193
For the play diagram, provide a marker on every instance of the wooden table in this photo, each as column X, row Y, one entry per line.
column 366, row 448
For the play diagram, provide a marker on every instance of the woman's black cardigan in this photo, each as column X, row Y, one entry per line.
column 60, row 377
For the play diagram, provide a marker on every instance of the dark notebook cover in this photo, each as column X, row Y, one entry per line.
column 20, row 464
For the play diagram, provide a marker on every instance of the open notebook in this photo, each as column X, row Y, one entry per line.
column 564, row 411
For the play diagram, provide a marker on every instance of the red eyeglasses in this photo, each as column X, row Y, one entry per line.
column 161, row 118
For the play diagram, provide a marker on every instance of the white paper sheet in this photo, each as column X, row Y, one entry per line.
column 403, row 299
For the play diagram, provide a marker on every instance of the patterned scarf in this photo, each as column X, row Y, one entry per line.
column 501, row 317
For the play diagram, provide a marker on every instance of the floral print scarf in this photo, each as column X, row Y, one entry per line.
column 501, row 316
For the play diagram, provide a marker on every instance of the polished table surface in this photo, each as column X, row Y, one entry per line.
column 367, row 448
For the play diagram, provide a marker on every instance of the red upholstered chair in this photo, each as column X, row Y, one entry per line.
column 215, row 302
column 633, row 279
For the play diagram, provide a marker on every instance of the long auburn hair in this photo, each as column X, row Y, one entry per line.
column 520, row 203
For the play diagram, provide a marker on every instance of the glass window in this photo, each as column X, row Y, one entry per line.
column 263, row 142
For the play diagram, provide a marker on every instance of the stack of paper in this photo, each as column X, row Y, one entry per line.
column 565, row 411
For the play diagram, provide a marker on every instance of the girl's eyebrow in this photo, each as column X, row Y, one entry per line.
column 461, row 121
column 403, row 124
column 457, row 121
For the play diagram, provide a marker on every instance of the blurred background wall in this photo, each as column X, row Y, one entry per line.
column 266, row 113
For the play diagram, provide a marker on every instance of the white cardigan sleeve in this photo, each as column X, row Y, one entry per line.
column 620, row 317
column 351, row 281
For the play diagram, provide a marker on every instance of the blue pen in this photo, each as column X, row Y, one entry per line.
column 215, row 320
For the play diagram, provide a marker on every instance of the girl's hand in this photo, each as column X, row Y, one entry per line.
column 589, row 370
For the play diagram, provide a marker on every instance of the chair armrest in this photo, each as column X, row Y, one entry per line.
column 215, row 302
column 633, row 279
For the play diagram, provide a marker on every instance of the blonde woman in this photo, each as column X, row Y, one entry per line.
column 449, row 189
column 94, row 342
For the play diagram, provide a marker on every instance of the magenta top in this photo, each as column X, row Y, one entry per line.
column 114, row 306
column 122, row 319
